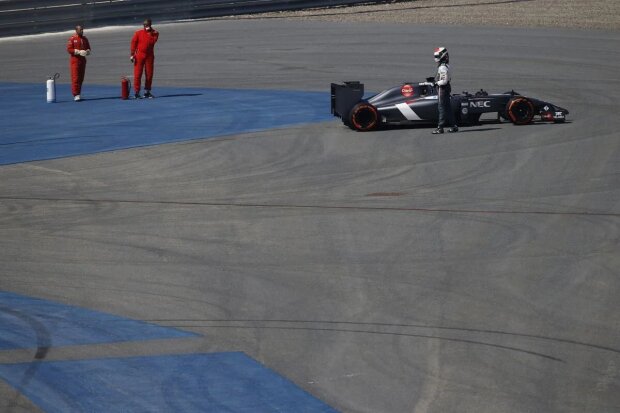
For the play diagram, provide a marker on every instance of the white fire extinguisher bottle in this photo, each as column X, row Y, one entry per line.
column 51, row 88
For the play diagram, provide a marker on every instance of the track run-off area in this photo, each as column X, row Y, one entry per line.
column 231, row 247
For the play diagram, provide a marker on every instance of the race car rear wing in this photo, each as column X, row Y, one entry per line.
column 345, row 96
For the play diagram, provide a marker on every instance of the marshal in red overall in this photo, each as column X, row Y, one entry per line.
column 142, row 55
column 78, row 48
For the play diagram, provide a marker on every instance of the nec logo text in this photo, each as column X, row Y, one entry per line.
column 480, row 104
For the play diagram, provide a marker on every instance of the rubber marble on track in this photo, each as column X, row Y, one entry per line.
column 389, row 272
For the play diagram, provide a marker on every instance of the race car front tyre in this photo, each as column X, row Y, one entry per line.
column 364, row 117
column 520, row 111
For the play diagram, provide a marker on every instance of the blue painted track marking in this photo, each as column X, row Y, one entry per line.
column 205, row 383
column 27, row 322
column 212, row 383
column 35, row 130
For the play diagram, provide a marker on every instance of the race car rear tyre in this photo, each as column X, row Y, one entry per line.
column 520, row 110
column 364, row 117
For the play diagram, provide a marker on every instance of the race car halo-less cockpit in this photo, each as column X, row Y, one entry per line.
column 416, row 103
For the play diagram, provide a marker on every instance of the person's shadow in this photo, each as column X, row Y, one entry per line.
column 119, row 98
column 178, row 95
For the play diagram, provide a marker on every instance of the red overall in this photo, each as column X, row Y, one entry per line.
column 142, row 45
column 77, row 63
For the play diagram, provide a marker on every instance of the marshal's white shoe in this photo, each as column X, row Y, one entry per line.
column 77, row 98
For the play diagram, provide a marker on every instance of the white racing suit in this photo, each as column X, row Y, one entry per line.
column 446, row 117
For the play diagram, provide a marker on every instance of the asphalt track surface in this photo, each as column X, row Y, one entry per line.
column 393, row 271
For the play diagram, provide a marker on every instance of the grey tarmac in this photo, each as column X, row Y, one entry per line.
column 383, row 272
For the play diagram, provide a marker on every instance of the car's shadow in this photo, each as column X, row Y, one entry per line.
column 462, row 130
column 483, row 126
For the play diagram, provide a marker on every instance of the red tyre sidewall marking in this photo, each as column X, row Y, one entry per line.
column 515, row 101
column 357, row 125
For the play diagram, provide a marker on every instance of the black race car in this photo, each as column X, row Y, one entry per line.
column 416, row 103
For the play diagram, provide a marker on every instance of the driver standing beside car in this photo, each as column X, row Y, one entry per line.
column 442, row 80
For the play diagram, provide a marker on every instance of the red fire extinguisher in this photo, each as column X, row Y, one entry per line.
column 125, row 86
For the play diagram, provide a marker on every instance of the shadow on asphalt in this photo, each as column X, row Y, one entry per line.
column 119, row 98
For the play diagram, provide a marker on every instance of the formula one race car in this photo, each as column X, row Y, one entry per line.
column 416, row 103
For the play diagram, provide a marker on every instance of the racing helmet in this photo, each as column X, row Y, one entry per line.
column 441, row 55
